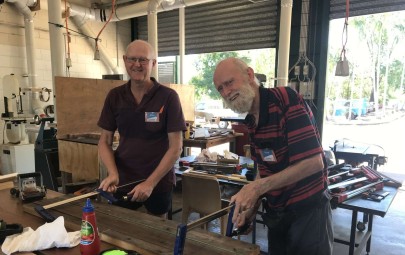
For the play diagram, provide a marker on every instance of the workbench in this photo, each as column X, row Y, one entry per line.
column 360, row 239
column 123, row 228
column 355, row 153
column 204, row 143
column 11, row 211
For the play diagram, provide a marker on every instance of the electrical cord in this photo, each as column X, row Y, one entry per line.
column 77, row 32
column 99, row 33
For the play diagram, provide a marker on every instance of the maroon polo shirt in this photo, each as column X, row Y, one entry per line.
column 143, row 130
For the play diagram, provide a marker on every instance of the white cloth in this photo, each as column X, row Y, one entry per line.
column 47, row 236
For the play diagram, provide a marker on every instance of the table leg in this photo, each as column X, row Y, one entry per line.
column 369, row 228
column 254, row 232
column 353, row 233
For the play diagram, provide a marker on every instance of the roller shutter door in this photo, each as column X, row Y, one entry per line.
column 364, row 7
column 217, row 27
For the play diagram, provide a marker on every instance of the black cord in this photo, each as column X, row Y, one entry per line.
column 62, row 26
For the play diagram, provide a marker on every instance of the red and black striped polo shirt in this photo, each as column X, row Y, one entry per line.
column 287, row 129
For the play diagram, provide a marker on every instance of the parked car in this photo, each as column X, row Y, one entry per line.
column 211, row 110
column 356, row 107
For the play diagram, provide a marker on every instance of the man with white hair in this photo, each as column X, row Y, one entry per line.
column 292, row 170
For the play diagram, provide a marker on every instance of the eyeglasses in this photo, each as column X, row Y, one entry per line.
column 133, row 60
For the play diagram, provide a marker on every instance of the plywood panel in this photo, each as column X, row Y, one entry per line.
column 79, row 159
column 79, row 102
column 187, row 99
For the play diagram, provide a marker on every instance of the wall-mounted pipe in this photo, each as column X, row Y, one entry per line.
column 151, row 8
column 23, row 7
column 84, row 29
column 284, row 42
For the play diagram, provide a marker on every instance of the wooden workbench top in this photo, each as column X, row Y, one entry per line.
column 123, row 228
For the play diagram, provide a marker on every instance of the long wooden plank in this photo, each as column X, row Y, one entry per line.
column 71, row 199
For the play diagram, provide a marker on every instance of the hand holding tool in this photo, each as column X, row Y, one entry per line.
column 48, row 217
column 183, row 228
column 230, row 230
column 111, row 199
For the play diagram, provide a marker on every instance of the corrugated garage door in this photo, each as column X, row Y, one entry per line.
column 364, row 7
column 217, row 27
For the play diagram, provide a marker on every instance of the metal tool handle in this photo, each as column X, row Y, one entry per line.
column 180, row 239
column 229, row 226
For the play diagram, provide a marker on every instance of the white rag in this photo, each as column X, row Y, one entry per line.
column 47, row 236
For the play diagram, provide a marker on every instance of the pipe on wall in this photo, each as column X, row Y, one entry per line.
column 150, row 8
column 84, row 29
column 152, row 30
column 284, row 42
column 56, row 43
column 23, row 7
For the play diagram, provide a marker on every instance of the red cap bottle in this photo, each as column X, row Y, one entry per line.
column 89, row 237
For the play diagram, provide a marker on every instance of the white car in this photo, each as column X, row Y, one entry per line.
column 212, row 110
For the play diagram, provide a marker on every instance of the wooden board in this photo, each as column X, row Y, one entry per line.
column 187, row 100
column 79, row 102
column 79, row 159
column 144, row 233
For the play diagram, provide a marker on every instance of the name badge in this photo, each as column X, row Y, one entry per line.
column 151, row 117
column 268, row 155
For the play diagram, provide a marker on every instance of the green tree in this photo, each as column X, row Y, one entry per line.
column 205, row 66
column 382, row 34
column 376, row 72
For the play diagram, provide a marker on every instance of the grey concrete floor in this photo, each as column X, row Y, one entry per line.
column 387, row 238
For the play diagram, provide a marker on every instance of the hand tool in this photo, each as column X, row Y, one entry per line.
column 111, row 199
column 9, row 229
column 42, row 210
column 338, row 198
column 374, row 196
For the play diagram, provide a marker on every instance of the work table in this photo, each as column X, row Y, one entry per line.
column 120, row 227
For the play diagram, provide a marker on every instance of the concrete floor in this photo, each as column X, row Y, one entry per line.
column 387, row 238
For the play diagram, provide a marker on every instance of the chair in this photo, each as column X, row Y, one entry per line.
column 201, row 194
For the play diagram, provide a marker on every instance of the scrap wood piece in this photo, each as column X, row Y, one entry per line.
column 7, row 181
column 8, row 177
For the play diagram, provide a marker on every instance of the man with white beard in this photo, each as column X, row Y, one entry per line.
column 285, row 144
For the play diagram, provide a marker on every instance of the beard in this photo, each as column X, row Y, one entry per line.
column 243, row 103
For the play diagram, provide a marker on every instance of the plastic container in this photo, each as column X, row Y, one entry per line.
column 89, row 237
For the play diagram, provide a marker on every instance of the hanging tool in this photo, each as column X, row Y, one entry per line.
column 48, row 217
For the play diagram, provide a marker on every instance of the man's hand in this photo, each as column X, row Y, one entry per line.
column 141, row 192
column 245, row 203
column 245, row 218
column 110, row 183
